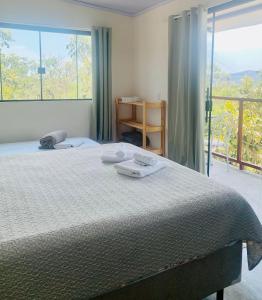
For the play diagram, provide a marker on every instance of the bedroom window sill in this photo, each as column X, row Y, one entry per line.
column 51, row 100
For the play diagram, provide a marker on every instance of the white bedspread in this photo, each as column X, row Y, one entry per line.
column 71, row 227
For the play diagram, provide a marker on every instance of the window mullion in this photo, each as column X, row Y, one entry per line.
column 41, row 66
column 1, row 78
column 77, row 79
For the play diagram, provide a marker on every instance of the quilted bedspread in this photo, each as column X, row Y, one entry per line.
column 71, row 227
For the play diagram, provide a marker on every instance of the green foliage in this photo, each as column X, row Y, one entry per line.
column 225, row 117
column 5, row 38
column 19, row 78
column 21, row 81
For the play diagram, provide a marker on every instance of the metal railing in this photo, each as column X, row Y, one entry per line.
column 239, row 156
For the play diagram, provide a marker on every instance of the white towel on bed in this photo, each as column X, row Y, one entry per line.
column 133, row 169
column 117, row 156
column 145, row 159
column 64, row 145
column 49, row 140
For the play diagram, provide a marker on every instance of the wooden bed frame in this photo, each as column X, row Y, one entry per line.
column 192, row 281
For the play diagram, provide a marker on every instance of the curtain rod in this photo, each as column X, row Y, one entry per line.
column 220, row 7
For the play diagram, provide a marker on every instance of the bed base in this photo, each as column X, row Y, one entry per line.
column 220, row 295
column 193, row 281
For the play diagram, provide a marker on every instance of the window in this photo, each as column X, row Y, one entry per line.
column 44, row 63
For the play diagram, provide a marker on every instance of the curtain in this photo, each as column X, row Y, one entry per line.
column 186, row 88
column 101, row 120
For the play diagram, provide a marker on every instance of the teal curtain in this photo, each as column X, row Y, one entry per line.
column 186, row 88
column 101, row 120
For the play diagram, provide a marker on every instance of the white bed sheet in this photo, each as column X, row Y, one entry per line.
column 33, row 146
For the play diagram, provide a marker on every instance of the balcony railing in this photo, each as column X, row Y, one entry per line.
column 238, row 146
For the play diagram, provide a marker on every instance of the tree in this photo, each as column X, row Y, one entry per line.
column 21, row 80
column 81, row 46
column 5, row 38
column 226, row 114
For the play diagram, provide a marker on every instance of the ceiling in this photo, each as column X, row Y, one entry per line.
column 135, row 7
column 127, row 7
column 244, row 15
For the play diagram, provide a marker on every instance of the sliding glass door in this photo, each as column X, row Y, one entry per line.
column 233, row 92
column 209, row 89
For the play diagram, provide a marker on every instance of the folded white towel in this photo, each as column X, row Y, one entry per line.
column 121, row 152
column 49, row 140
column 62, row 146
column 65, row 145
column 145, row 159
column 132, row 169
column 117, row 156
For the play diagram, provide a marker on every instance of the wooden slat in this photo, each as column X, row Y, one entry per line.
column 244, row 163
column 138, row 125
column 163, row 125
column 143, row 126
column 117, row 120
column 237, row 99
column 155, row 150
column 240, row 134
column 154, row 105
column 136, row 103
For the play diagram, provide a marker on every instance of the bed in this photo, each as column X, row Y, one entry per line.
column 72, row 228
column 33, row 146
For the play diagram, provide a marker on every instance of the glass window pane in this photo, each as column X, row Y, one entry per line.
column 19, row 62
column 237, row 74
column 252, row 128
column 84, row 67
column 59, row 61
column 238, row 62
column 224, row 127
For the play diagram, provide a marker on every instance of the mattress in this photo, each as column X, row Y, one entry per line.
column 33, row 146
column 71, row 227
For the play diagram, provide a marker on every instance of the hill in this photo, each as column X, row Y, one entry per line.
column 236, row 77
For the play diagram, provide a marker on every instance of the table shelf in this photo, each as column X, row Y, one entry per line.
column 139, row 125
column 143, row 126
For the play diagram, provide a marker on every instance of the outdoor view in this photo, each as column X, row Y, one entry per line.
column 65, row 61
column 238, row 74
column 47, row 65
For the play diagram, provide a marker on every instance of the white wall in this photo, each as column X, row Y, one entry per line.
column 28, row 120
column 139, row 59
column 151, row 51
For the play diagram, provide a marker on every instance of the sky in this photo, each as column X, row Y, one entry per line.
column 236, row 50
column 239, row 49
column 26, row 43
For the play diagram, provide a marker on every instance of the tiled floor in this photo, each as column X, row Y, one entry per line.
column 250, row 186
column 247, row 184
